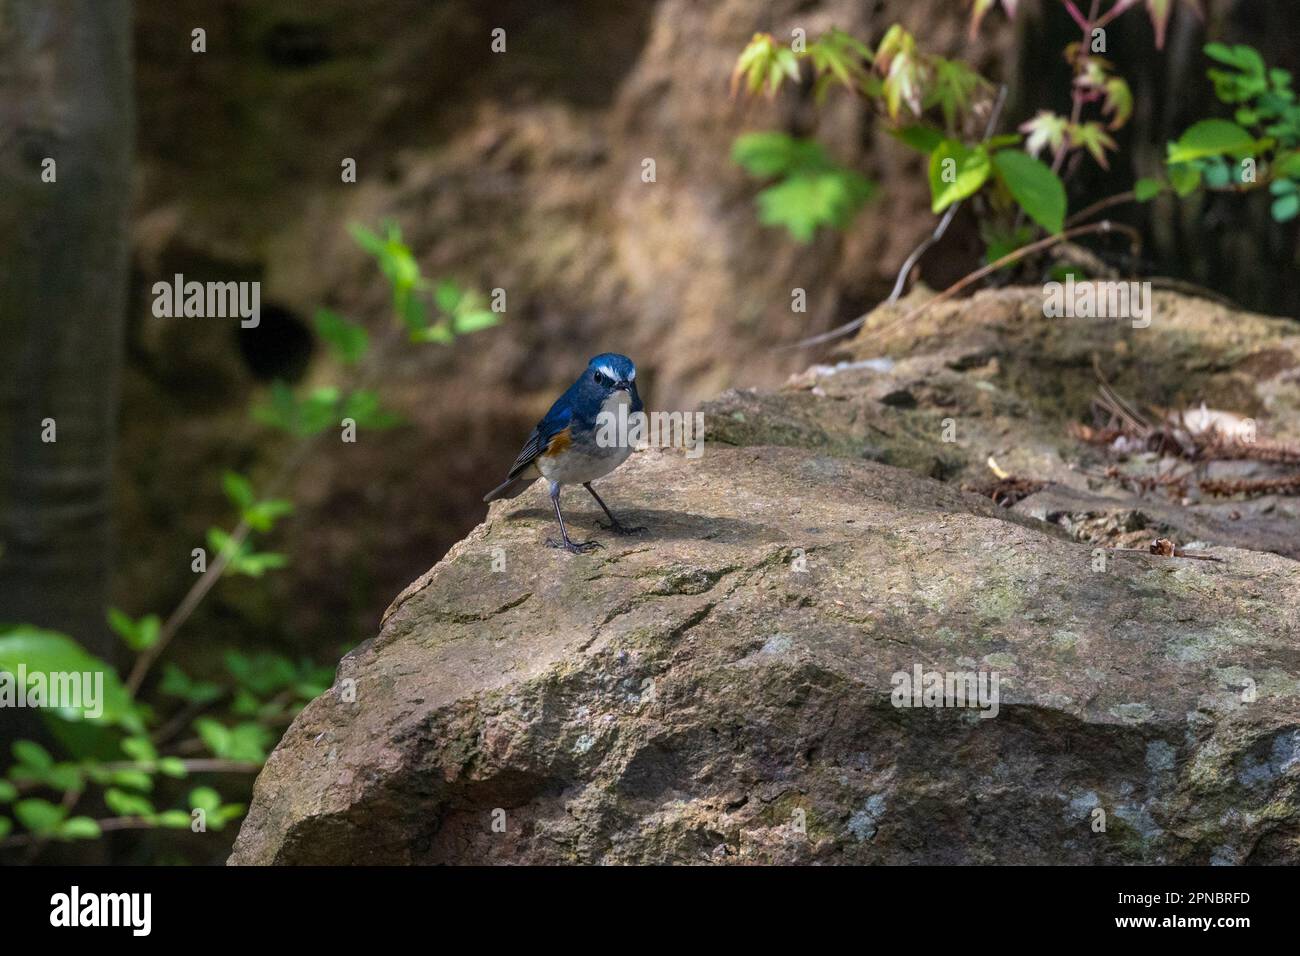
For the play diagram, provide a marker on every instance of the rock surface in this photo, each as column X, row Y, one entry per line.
column 718, row 689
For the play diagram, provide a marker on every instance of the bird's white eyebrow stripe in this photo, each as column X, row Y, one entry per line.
column 606, row 370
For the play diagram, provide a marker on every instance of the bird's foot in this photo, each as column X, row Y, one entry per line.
column 621, row 528
column 574, row 547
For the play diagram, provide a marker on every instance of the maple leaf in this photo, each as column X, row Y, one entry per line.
column 1044, row 129
column 1092, row 137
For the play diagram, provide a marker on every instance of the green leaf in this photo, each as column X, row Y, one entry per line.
column 1212, row 137
column 1147, row 189
column 757, row 62
column 214, row 734
column 447, row 295
column 127, row 804
column 772, row 154
column 79, row 828
column 1063, row 271
column 904, row 71
column 174, row 819
column 49, row 652
column 1037, row 189
column 172, row 767
column 231, row 811
column 1045, row 130
column 841, row 56
column 808, row 200
column 956, row 172
column 250, row 741
column 139, row 748
column 348, row 340
column 280, row 411
column 923, row 139
column 1286, row 165
column 1285, row 208
column 1215, row 172
column 39, row 816
column 238, row 489
column 176, row 683
column 953, row 86
column 440, row 334
column 135, row 779
column 137, row 635
column 255, row 564
column 65, row 776
column 6, row 826
column 262, row 516
column 31, row 754
column 363, row 407
column 205, row 799
column 1243, row 57
column 1118, row 102
column 1184, row 177
column 393, row 256
column 1092, row 137
column 8, row 792
column 475, row 320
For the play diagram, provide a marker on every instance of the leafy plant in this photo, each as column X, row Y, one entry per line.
column 126, row 765
column 1257, row 148
column 810, row 190
column 925, row 100
column 936, row 106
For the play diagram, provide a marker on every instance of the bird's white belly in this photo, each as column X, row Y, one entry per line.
column 587, row 462
column 575, row 466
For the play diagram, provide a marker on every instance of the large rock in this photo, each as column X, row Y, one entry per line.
column 718, row 689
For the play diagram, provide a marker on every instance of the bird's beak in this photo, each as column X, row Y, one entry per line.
column 623, row 386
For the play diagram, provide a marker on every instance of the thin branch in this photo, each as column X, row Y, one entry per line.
column 946, row 221
column 363, row 377
column 1117, row 200
column 1076, row 15
column 1105, row 226
column 1113, row 12
column 113, row 823
column 1076, row 92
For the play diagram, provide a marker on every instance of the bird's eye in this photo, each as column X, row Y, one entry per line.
column 601, row 379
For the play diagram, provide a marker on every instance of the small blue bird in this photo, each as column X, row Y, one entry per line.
column 564, row 450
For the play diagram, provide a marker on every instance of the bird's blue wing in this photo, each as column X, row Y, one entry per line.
column 539, row 442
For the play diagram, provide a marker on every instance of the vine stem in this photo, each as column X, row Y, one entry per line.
column 1105, row 226
column 1076, row 93
column 1117, row 200
column 112, row 823
column 994, row 114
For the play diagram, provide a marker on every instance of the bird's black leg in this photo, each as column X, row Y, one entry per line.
column 614, row 524
column 573, row 547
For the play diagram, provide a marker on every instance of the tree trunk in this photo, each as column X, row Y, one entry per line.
column 66, row 96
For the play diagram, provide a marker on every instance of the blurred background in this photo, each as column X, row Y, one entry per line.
column 518, row 170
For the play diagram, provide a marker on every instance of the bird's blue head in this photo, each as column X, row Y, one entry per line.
column 606, row 376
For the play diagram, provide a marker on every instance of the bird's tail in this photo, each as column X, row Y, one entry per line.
column 510, row 488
